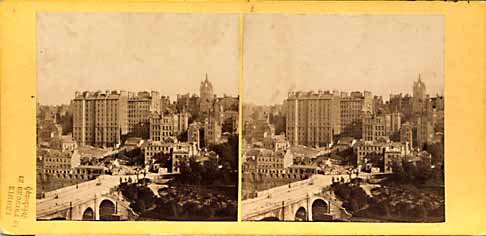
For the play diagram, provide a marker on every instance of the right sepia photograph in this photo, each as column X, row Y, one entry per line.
column 343, row 118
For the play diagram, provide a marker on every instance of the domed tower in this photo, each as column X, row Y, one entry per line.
column 206, row 94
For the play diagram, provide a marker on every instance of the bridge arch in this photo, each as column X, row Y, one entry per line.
column 106, row 209
column 301, row 214
column 88, row 214
column 320, row 210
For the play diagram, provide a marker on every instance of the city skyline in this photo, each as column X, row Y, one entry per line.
column 380, row 54
column 348, row 92
column 140, row 51
column 172, row 99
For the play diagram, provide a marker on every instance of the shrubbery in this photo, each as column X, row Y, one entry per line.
column 353, row 196
column 140, row 197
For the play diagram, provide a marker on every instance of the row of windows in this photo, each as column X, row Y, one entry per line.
column 50, row 159
column 57, row 166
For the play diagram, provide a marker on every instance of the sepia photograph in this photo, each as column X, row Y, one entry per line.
column 343, row 118
column 137, row 116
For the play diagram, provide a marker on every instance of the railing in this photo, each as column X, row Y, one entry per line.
column 282, row 188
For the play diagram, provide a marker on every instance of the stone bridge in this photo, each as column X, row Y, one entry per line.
column 99, row 207
column 92, row 200
column 306, row 200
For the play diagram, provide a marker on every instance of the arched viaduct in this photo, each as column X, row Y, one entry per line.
column 307, row 200
column 100, row 207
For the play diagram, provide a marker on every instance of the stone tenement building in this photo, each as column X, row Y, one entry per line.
column 212, row 130
column 100, row 118
column 193, row 134
column 258, row 131
column 313, row 118
column 163, row 126
column 425, row 132
column 406, row 133
column 353, row 107
column 187, row 103
column 375, row 127
column 165, row 105
column 140, row 105
column 178, row 151
column 260, row 160
column 57, row 169
column 384, row 151
column 231, row 119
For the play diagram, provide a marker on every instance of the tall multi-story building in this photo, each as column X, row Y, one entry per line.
column 377, row 104
column 155, row 147
column 182, row 122
column 260, row 131
column 155, row 101
column 371, row 152
column 229, row 103
column 267, row 161
column 230, row 119
column 163, row 126
column 182, row 102
column 425, row 131
column 313, row 118
column 181, row 152
column 212, row 130
column 193, row 107
column 193, row 135
column 395, row 122
column 400, row 103
column 206, row 96
column 100, row 118
column 353, row 107
column 140, row 106
column 164, row 104
column 406, row 133
column 57, row 162
column 47, row 130
column 374, row 127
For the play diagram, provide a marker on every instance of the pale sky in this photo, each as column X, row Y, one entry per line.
column 383, row 54
column 169, row 53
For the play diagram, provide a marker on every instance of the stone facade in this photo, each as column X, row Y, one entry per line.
column 313, row 118
column 100, row 118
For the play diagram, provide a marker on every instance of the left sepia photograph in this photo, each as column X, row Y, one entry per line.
column 137, row 116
